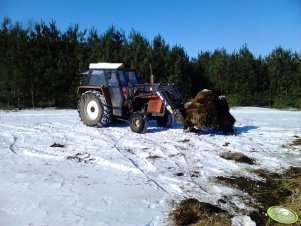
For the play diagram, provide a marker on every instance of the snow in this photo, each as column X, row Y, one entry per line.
column 112, row 176
column 242, row 221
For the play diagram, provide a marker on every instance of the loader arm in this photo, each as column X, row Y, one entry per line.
column 172, row 99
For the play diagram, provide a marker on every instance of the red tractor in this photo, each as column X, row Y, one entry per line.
column 112, row 91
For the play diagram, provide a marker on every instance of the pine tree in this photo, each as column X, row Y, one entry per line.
column 179, row 70
column 159, row 56
column 140, row 51
column 282, row 66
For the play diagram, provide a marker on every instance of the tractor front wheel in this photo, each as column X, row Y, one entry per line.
column 138, row 122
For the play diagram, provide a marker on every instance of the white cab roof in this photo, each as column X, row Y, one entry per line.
column 105, row 65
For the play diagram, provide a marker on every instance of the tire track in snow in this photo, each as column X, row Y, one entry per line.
column 134, row 163
column 43, row 130
column 184, row 156
column 10, row 144
column 144, row 173
column 147, row 175
column 157, row 177
column 69, row 135
column 184, row 167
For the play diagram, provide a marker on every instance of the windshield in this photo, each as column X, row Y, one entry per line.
column 128, row 78
column 132, row 78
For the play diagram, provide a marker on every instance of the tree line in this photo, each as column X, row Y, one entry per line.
column 41, row 66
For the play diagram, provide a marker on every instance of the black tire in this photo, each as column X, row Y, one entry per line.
column 164, row 121
column 93, row 110
column 138, row 122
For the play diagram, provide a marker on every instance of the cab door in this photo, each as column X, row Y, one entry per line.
column 115, row 92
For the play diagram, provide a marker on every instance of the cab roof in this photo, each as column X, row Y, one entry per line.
column 105, row 65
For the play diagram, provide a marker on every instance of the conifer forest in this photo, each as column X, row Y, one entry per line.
column 41, row 66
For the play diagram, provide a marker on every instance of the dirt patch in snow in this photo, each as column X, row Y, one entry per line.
column 297, row 141
column 274, row 189
column 179, row 174
column 153, row 157
column 191, row 211
column 226, row 144
column 184, row 141
column 81, row 157
column 56, row 145
column 237, row 157
column 130, row 151
column 195, row 174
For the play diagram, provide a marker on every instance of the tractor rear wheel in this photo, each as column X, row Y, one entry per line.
column 92, row 109
column 164, row 121
column 138, row 122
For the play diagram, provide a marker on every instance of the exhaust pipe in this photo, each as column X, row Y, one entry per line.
column 151, row 75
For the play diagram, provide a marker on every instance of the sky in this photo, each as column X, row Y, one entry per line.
column 196, row 25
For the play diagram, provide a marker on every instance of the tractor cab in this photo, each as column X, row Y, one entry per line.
column 98, row 75
column 113, row 81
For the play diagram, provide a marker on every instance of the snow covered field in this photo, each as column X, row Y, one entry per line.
column 111, row 176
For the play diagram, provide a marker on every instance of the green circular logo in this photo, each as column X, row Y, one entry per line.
column 282, row 215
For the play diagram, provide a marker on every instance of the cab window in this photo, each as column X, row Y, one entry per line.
column 132, row 78
column 112, row 78
column 123, row 78
column 96, row 78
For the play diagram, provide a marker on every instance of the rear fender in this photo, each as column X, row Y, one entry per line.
column 102, row 89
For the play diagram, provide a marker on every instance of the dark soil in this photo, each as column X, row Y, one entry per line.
column 191, row 211
column 226, row 144
column 184, row 141
column 274, row 189
column 180, row 174
column 237, row 157
column 130, row 151
column 297, row 141
column 195, row 174
column 55, row 145
column 153, row 157
column 266, row 192
column 79, row 157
